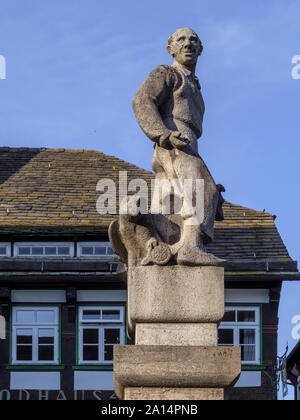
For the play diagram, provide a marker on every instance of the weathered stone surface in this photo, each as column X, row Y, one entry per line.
column 145, row 239
column 169, row 109
column 175, row 367
column 148, row 394
column 175, row 294
column 174, row 309
column 176, row 334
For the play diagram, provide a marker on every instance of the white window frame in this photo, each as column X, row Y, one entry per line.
column 35, row 327
column 237, row 326
column 106, row 256
column 7, row 245
column 101, row 325
column 18, row 245
column 100, row 308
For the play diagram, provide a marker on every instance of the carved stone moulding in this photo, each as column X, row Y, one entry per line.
column 207, row 367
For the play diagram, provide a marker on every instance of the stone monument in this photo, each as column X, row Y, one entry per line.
column 175, row 288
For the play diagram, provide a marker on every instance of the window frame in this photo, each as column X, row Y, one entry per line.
column 100, row 325
column 106, row 244
column 35, row 327
column 101, row 307
column 18, row 245
column 236, row 326
column 7, row 245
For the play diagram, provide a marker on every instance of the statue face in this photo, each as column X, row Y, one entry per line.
column 185, row 47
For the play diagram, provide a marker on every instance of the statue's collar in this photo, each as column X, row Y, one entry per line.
column 182, row 69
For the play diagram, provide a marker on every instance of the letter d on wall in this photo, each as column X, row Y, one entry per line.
column 2, row 328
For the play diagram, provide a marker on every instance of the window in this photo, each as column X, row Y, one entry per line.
column 35, row 335
column 240, row 327
column 100, row 328
column 95, row 249
column 5, row 250
column 39, row 249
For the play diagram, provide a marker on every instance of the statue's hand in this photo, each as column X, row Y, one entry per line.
column 178, row 141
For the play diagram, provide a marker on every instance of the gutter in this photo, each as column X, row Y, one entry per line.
column 263, row 275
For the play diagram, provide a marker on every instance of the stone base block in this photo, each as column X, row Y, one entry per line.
column 176, row 334
column 175, row 294
column 199, row 394
column 175, row 367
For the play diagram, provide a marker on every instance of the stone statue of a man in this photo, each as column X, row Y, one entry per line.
column 169, row 108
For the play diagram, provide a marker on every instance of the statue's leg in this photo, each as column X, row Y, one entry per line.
column 198, row 217
column 163, row 165
column 200, row 204
column 199, row 210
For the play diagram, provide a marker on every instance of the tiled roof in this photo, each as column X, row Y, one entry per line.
column 247, row 234
column 55, row 189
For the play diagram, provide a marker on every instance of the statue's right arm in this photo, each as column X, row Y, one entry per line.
column 153, row 92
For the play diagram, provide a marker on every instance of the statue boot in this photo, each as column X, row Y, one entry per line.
column 192, row 250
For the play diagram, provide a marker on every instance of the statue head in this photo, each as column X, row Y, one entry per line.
column 185, row 46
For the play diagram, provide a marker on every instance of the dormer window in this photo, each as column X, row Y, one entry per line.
column 5, row 250
column 41, row 249
column 95, row 249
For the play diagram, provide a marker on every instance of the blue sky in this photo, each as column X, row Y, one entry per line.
column 73, row 67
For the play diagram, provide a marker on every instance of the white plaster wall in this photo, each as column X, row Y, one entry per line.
column 48, row 381
column 93, row 381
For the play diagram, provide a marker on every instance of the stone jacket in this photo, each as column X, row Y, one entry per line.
column 167, row 100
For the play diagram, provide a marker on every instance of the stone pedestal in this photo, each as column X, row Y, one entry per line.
column 173, row 314
column 176, row 334
column 175, row 294
column 209, row 394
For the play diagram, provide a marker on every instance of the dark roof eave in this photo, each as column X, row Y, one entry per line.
column 240, row 268
column 262, row 276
